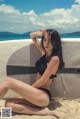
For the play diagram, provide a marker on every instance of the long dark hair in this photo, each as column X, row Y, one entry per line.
column 56, row 43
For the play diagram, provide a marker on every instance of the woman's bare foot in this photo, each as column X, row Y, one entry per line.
column 46, row 111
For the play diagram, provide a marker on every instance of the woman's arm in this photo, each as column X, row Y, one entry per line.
column 34, row 35
column 51, row 69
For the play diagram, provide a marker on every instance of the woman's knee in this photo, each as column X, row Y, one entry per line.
column 8, row 104
column 11, row 105
column 8, row 81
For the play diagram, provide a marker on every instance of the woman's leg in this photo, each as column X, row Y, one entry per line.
column 19, row 105
column 31, row 94
column 3, row 89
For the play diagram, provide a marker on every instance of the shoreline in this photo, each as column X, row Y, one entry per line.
column 62, row 39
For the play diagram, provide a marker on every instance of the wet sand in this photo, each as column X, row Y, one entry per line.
column 67, row 109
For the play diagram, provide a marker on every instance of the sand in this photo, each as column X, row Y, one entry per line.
column 67, row 109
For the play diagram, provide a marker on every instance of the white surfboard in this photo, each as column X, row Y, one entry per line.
column 18, row 58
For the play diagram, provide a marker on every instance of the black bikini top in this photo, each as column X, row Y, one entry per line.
column 41, row 65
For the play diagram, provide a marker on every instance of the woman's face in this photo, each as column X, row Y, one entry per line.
column 47, row 43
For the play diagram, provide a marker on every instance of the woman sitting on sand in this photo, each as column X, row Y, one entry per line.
column 35, row 98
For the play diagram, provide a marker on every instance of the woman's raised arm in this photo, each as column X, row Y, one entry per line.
column 34, row 38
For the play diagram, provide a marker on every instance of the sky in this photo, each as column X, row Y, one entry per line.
column 21, row 16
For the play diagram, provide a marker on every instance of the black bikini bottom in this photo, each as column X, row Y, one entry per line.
column 47, row 91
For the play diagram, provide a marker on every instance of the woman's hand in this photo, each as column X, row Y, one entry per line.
column 41, row 32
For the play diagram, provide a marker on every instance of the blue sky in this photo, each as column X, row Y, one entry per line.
column 25, row 15
column 39, row 6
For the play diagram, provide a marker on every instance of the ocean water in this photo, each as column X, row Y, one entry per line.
column 8, row 36
column 13, row 38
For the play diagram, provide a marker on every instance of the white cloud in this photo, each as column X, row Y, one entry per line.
column 63, row 20
column 8, row 9
column 77, row 1
column 30, row 13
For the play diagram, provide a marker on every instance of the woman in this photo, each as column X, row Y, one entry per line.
column 35, row 99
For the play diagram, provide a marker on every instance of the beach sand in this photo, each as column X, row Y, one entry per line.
column 67, row 109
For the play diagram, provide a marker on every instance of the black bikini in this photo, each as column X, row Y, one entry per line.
column 41, row 66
